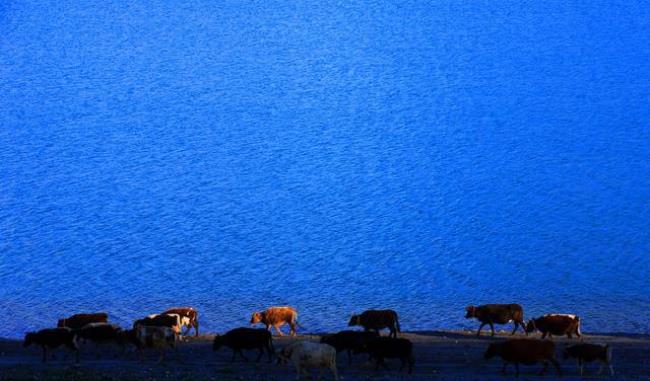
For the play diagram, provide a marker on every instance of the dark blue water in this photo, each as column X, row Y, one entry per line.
column 334, row 157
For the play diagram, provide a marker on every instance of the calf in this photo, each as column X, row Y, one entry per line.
column 77, row 321
column 497, row 314
column 52, row 338
column 524, row 351
column 102, row 334
column 555, row 324
column 590, row 353
column 246, row 338
column 155, row 337
column 350, row 341
column 389, row 347
column 189, row 318
column 276, row 317
column 306, row 355
column 172, row 321
column 377, row 320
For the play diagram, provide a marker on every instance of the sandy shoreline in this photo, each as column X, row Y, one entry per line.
column 440, row 355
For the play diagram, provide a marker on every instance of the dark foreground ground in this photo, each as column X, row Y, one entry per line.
column 439, row 356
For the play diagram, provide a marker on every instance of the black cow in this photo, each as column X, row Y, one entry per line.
column 52, row 338
column 377, row 320
column 246, row 338
column 350, row 341
column 390, row 347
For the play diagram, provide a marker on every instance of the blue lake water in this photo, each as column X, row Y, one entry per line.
column 420, row 156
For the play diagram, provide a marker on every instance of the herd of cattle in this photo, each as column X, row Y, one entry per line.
column 164, row 330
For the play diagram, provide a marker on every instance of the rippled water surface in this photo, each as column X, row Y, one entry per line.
column 333, row 156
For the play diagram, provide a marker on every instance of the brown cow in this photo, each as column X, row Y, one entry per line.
column 589, row 353
column 77, row 321
column 276, row 317
column 497, row 314
column 52, row 338
column 189, row 318
column 377, row 320
column 524, row 351
column 555, row 324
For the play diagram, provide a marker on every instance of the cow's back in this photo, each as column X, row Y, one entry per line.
column 502, row 313
column 378, row 318
column 528, row 351
column 275, row 315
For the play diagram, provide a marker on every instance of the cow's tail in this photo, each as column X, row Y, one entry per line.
column 296, row 322
column 578, row 326
column 397, row 326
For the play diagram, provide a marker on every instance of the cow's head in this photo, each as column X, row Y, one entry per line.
column 471, row 312
column 60, row 323
column 493, row 350
column 256, row 318
column 530, row 326
column 284, row 355
column 354, row 320
column 29, row 339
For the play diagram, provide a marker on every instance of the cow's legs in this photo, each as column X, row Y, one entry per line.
column 517, row 369
column 541, row 372
column 515, row 328
column 349, row 357
column 44, row 353
column 292, row 331
column 277, row 329
column 241, row 354
column 492, row 328
column 478, row 333
column 196, row 328
column 557, row 366
column 334, row 371
column 544, row 335
column 393, row 332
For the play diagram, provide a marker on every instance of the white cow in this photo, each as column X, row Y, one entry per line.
column 306, row 355
column 157, row 338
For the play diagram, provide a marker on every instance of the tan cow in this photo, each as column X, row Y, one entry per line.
column 277, row 317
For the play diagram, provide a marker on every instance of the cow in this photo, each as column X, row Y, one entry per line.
column 555, row 324
column 350, row 341
column 189, row 318
column 52, row 338
column 377, row 320
column 102, row 334
column 172, row 321
column 497, row 314
column 156, row 337
column 590, row 353
column 246, row 338
column 306, row 355
column 390, row 347
column 276, row 317
column 77, row 321
column 524, row 351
